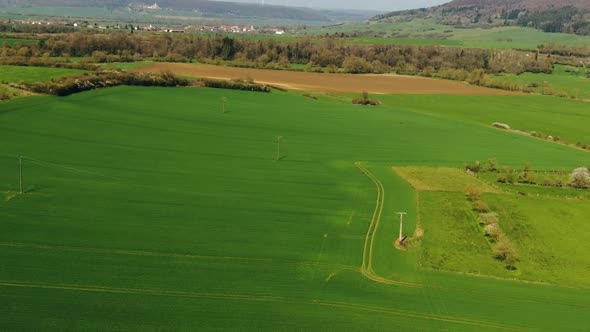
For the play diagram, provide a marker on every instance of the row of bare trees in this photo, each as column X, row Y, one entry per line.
column 407, row 59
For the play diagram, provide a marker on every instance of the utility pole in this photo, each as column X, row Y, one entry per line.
column 401, row 223
column 279, row 147
column 223, row 101
column 20, row 174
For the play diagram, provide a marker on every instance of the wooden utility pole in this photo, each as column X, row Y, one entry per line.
column 20, row 174
column 223, row 101
column 279, row 147
column 401, row 223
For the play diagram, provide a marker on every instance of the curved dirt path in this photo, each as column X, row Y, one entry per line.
column 367, row 263
column 327, row 83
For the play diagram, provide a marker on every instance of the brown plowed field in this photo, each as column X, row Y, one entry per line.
column 317, row 82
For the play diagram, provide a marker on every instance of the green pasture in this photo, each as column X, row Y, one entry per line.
column 151, row 209
column 17, row 74
column 12, row 41
column 127, row 65
column 538, row 221
column 427, row 31
column 571, row 81
column 549, row 115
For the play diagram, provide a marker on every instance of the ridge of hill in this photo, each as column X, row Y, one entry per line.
column 568, row 16
column 206, row 7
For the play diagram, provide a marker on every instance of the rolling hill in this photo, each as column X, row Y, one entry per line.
column 569, row 16
column 205, row 7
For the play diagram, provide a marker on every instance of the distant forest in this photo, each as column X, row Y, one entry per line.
column 557, row 17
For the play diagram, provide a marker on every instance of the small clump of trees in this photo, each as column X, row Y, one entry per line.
column 244, row 85
column 580, row 178
column 503, row 248
column 365, row 100
column 104, row 79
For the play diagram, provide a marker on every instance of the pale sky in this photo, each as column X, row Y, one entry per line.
column 385, row 5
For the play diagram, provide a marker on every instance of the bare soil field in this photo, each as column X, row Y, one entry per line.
column 318, row 82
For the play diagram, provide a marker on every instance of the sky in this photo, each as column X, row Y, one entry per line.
column 382, row 5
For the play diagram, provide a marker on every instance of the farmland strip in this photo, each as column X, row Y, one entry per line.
column 250, row 297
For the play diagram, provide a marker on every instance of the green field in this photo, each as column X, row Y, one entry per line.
column 151, row 209
column 18, row 74
column 427, row 31
column 127, row 65
column 542, row 223
column 571, row 81
column 12, row 41
column 526, row 113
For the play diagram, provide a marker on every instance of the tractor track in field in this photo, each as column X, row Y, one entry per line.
column 175, row 255
column 367, row 261
column 256, row 298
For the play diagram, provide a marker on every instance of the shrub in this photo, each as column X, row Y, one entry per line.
column 492, row 165
column 475, row 167
column 488, row 218
column 527, row 177
column 365, row 100
column 108, row 78
column 481, row 207
column 510, row 178
column 473, row 194
column 505, row 251
column 493, row 231
column 236, row 85
column 580, row 178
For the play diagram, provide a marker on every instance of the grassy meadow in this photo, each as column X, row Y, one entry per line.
column 538, row 221
column 525, row 113
column 18, row 74
column 12, row 41
column 571, row 81
column 428, row 32
column 151, row 209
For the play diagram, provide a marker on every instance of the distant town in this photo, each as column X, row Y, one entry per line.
column 157, row 28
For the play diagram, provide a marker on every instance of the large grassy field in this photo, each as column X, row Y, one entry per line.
column 546, row 225
column 427, row 31
column 151, row 209
column 550, row 115
column 571, row 81
column 16, row 74
column 12, row 41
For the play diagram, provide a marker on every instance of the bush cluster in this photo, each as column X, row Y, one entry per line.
column 503, row 248
column 580, row 178
column 103, row 79
column 236, row 85
column 365, row 100
column 46, row 62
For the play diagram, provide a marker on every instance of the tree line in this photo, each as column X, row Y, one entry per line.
column 328, row 53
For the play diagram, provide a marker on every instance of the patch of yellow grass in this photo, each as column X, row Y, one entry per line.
column 442, row 179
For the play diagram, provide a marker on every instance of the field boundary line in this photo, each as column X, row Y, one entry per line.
column 367, row 260
column 175, row 255
column 254, row 298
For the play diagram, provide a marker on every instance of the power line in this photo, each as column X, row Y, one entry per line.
column 71, row 169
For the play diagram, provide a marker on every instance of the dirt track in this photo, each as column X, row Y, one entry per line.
column 317, row 82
